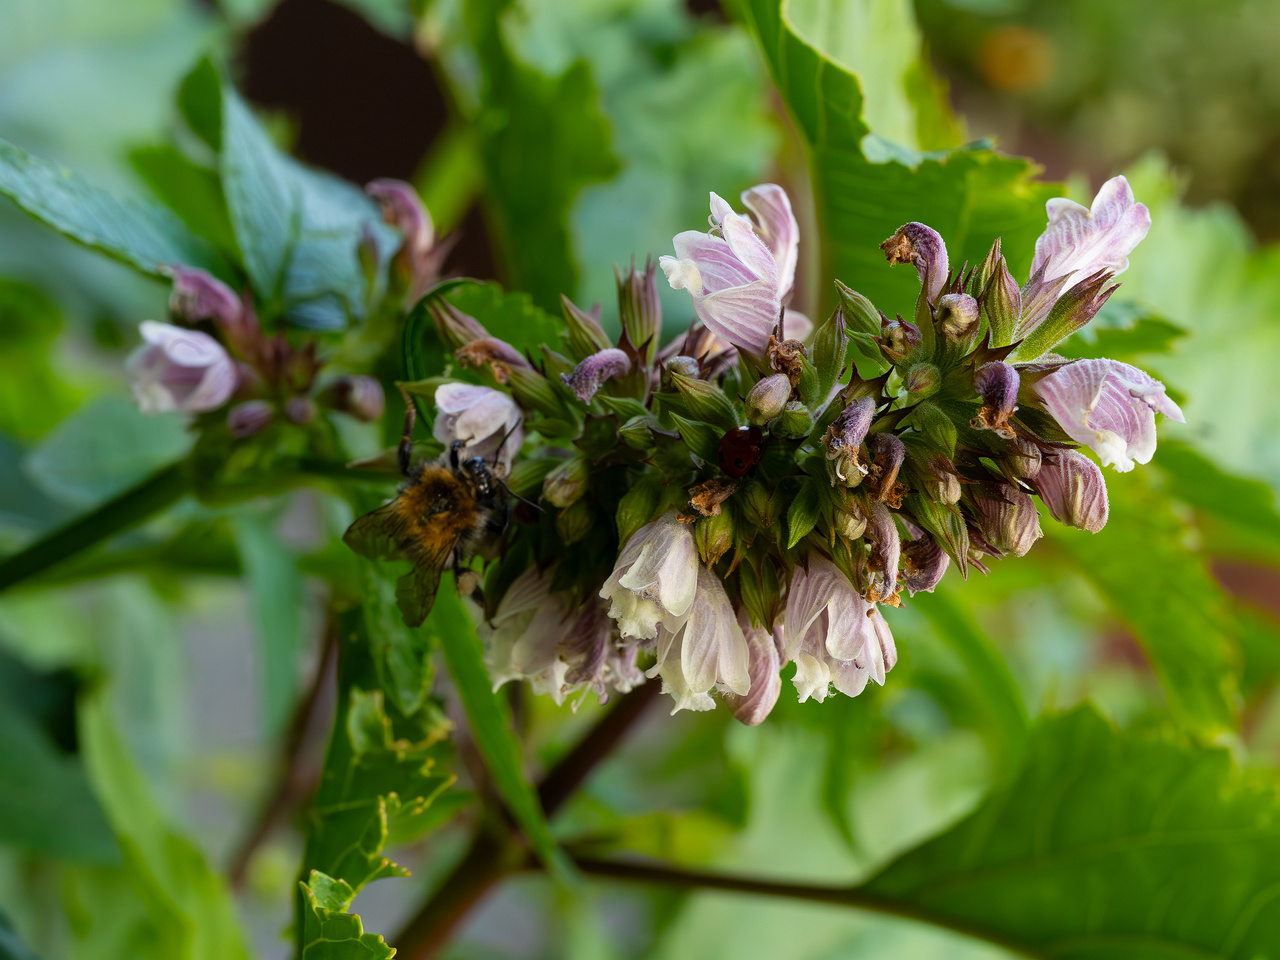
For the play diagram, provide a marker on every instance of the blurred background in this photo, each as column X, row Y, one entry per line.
column 209, row 622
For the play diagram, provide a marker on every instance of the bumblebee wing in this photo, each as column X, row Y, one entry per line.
column 416, row 593
column 371, row 535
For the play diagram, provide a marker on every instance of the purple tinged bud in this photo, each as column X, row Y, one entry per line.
column 843, row 441
column 941, row 481
column 198, row 295
column 1008, row 519
column 588, row 376
column 922, row 380
column 1072, row 487
column 887, row 454
column 923, row 564
column 252, row 416
column 850, row 523
column 1002, row 305
column 640, row 308
column 500, row 355
column 456, row 328
column 957, row 315
column 404, row 210
column 768, row 398
column 566, row 483
column 585, row 335
column 357, row 395
column 685, row 366
column 300, row 410
column 764, row 666
column 997, row 385
column 923, row 246
column 1025, row 458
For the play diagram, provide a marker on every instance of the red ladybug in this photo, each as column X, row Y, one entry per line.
column 739, row 450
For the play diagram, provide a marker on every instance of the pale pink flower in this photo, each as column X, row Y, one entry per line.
column 1071, row 486
column 1080, row 241
column 178, row 369
column 654, row 579
column 487, row 421
column 765, row 661
column 1109, row 407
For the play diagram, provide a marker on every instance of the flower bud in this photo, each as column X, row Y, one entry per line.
column 1008, row 519
column 685, row 366
column 997, row 385
column 252, row 416
column 860, row 314
column 499, row 354
column 940, row 480
column 567, row 482
column 300, row 410
column 714, row 535
column 639, row 308
column 706, row 402
column 357, row 395
column 923, row 564
column 922, row 381
column 982, row 275
column 533, row 391
column 1002, row 305
column 899, row 339
column 585, row 336
column 768, row 398
column 1024, row 458
column 1071, row 486
column 850, row 522
column 455, row 328
column 843, row 441
column 404, row 210
column 886, row 547
column 757, row 504
column 637, row 433
column 575, row 522
column 591, row 373
column 637, row 508
column 198, row 295
column 923, row 246
column 887, row 454
column 957, row 315
column 1073, row 310
column 795, row 422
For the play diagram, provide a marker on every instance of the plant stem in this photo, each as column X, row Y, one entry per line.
column 841, row 896
column 290, row 786
column 495, row 850
column 129, row 508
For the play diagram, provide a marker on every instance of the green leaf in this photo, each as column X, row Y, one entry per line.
column 33, row 398
column 1163, row 592
column 401, row 654
column 542, row 139
column 865, row 188
column 192, row 913
column 1196, row 480
column 275, row 598
column 987, row 669
column 141, row 234
column 1105, row 845
column 701, row 438
column 1147, row 335
column 300, row 230
column 191, row 191
column 328, row 931
column 491, row 728
column 46, row 807
column 11, row 947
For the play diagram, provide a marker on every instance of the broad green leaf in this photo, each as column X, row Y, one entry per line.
column 276, row 598
column 401, row 654
column 11, row 947
column 379, row 777
column 329, row 932
column 191, row 191
column 542, row 139
column 865, row 188
column 987, row 669
column 103, row 449
column 33, row 398
column 46, row 807
column 191, row 912
column 1146, row 335
column 141, row 234
column 1196, row 480
column 299, row 229
column 1105, row 845
column 491, row 726
column 1164, row 593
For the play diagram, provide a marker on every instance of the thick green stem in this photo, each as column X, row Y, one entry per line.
column 841, row 896
column 131, row 507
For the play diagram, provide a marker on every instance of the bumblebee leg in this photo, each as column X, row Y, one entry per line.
column 405, row 451
column 468, row 582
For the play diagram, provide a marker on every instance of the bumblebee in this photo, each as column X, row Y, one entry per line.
column 441, row 512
